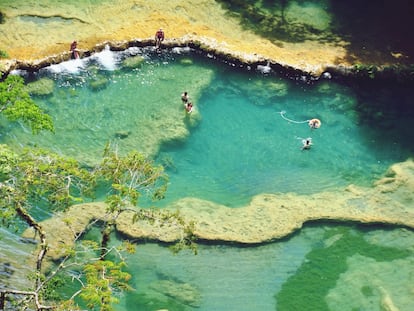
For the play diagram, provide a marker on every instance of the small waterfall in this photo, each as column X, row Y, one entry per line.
column 70, row 66
column 106, row 58
column 264, row 68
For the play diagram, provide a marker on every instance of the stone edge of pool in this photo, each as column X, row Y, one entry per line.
column 268, row 217
column 210, row 48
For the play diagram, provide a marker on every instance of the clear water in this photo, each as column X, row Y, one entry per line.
column 321, row 268
column 236, row 144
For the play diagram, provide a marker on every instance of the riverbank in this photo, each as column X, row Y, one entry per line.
column 35, row 34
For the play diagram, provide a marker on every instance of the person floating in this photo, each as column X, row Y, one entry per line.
column 184, row 97
column 314, row 123
column 159, row 37
column 74, row 50
column 188, row 107
column 307, row 143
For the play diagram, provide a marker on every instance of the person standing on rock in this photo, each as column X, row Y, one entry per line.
column 159, row 37
column 74, row 50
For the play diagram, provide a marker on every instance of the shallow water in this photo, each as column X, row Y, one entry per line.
column 321, row 268
column 236, row 144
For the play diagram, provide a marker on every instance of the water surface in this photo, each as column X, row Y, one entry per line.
column 237, row 144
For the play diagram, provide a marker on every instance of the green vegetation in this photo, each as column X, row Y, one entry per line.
column 16, row 104
column 3, row 54
column 306, row 290
column 40, row 178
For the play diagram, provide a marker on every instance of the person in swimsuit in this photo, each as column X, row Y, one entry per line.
column 159, row 37
column 74, row 50
column 307, row 143
column 184, row 97
column 189, row 107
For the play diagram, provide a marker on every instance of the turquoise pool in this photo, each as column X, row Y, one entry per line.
column 236, row 144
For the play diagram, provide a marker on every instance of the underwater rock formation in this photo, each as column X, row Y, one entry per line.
column 268, row 216
column 43, row 86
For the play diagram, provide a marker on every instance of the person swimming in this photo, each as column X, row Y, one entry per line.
column 307, row 143
column 189, row 107
column 314, row 123
column 185, row 97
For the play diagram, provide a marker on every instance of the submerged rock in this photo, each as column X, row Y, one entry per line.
column 98, row 83
column 43, row 86
column 133, row 62
column 266, row 218
column 182, row 292
column 122, row 134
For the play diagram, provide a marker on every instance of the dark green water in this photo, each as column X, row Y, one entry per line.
column 236, row 144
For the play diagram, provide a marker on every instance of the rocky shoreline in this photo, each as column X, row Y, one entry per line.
column 268, row 217
column 298, row 40
column 208, row 48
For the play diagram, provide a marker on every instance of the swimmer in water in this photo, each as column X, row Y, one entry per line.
column 189, row 107
column 307, row 143
column 314, row 123
column 185, row 97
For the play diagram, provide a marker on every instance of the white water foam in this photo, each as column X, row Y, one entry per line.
column 70, row 66
column 106, row 58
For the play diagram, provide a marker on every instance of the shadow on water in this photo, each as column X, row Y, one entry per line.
column 273, row 20
column 386, row 110
column 373, row 29
column 376, row 29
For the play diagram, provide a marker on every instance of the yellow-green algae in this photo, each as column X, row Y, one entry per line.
column 43, row 86
column 35, row 29
column 266, row 218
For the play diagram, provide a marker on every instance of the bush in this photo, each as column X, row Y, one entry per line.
column 3, row 54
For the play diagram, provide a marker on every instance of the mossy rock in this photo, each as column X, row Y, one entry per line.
column 44, row 86
column 98, row 83
column 186, row 61
column 133, row 62
column 152, row 300
column 183, row 293
column 122, row 134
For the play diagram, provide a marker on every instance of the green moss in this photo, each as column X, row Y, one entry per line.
column 133, row 62
column 3, row 54
column 307, row 289
column 98, row 83
column 41, row 87
column 367, row 291
column 186, row 61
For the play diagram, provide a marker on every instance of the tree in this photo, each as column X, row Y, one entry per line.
column 41, row 178
column 16, row 104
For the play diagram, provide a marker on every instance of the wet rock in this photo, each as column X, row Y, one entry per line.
column 182, row 292
column 186, row 61
column 122, row 134
column 98, row 83
column 133, row 62
column 43, row 86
